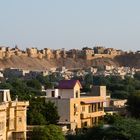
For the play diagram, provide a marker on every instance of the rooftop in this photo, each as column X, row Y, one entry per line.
column 68, row 84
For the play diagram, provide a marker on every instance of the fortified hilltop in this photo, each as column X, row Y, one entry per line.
column 85, row 53
column 33, row 58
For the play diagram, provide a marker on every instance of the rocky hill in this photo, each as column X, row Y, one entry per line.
column 131, row 60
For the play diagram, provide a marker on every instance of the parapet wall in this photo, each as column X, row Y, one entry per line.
column 88, row 54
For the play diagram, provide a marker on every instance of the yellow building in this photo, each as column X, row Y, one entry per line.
column 12, row 117
column 75, row 110
column 101, row 91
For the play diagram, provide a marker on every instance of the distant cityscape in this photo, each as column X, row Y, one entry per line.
column 69, row 70
column 71, row 101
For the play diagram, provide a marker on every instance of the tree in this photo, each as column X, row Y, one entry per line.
column 110, row 119
column 33, row 83
column 88, row 79
column 51, row 113
column 118, row 129
column 36, row 110
column 41, row 112
column 36, row 119
column 48, row 132
column 6, row 86
column 137, row 75
column 100, row 80
column 133, row 104
column 123, row 129
column 44, row 80
column 18, row 88
column 120, row 94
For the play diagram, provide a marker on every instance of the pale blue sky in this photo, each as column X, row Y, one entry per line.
column 70, row 23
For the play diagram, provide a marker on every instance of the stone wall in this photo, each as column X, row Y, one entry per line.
column 88, row 54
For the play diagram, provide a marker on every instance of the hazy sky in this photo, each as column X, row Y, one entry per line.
column 70, row 23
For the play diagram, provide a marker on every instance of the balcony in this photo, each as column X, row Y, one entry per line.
column 93, row 114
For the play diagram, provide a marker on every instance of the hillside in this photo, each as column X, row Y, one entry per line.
column 130, row 60
column 39, row 64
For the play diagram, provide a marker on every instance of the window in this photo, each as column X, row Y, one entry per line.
column 93, row 108
column 94, row 120
column 85, row 123
column 75, row 109
column 53, row 94
column 83, row 108
column 1, row 96
column 7, row 122
column 20, row 119
column 99, row 105
column 89, row 109
column 76, row 94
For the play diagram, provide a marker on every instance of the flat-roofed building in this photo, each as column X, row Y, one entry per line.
column 118, row 102
column 12, row 117
column 75, row 111
column 101, row 91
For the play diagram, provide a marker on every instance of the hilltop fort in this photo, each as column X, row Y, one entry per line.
column 33, row 58
column 85, row 53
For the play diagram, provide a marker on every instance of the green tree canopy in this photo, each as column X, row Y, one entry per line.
column 48, row 132
column 133, row 104
column 33, row 83
column 46, row 112
column 137, row 75
column 51, row 113
column 118, row 129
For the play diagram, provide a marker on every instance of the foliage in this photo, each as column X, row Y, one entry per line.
column 6, row 86
column 119, row 129
column 133, row 105
column 36, row 108
column 137, row 75
column 123, row 128
column 120, row 94
column 36, row 118
column 33, row 83
column 41, row 112
column 51, row 113
column 18, row 88
column 25, row 89
column 48, row 132
column 42, row 79
column 45, row 80
column 118, row 87
column 110, row 119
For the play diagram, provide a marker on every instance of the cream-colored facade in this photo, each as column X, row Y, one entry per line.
column 77, row 111
column 12, row 117
column 118, row 102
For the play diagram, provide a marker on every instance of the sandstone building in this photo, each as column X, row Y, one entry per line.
column 75, row 110
column 12, row 117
